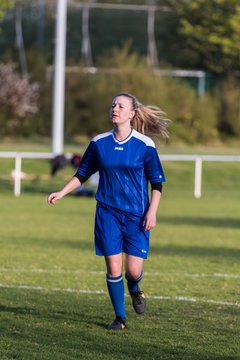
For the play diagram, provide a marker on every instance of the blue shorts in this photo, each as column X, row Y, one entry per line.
column 117, row 231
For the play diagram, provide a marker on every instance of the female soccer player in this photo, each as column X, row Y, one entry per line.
column 127, row 161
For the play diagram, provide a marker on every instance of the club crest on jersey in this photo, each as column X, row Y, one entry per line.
column 119, row 148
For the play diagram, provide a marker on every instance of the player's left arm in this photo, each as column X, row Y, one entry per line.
column 150, row 219
column 154, row 173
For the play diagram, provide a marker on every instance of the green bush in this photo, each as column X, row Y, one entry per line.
column 88, row 98
column 227, row 92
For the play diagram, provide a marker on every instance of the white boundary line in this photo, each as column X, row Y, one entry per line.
column 63, row 271
column 40, row 288
column 49, row 271
column 101, row 292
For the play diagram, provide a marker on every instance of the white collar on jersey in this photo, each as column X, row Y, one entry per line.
column 124, row 140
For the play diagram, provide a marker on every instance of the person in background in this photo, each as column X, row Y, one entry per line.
column 127, row 160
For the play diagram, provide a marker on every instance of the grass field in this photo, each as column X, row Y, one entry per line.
column 53, row 299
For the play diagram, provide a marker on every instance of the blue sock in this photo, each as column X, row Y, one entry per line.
column 133, row 283
column 116, row 291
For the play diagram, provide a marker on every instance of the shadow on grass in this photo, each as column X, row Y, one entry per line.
column 201, row 221
column 195, row 250
column 168, row 250
column 18, row 310
column 79, row 244
column 75, row 328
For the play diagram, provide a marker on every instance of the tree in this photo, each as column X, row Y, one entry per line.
column 4, row 6
column 18, row 98
column 211, row 28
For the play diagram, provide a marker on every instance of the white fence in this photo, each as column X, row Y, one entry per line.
column 197, row 159
column 17, row 174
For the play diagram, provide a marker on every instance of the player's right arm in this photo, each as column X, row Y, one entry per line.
column 73, row 184
column 88, row 166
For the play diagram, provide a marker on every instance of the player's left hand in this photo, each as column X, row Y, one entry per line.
column 150, row 221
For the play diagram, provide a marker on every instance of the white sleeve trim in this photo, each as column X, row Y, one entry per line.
column 144, row 138
column 101, row 136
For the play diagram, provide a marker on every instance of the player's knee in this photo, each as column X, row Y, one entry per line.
column 114, row 266
column 134, row 274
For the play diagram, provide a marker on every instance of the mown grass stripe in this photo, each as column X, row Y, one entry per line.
column 147, row 273
column 101, row 292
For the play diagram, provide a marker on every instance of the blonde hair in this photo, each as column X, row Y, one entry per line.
column 148, row 119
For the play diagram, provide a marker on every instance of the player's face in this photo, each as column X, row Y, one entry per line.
column 121, row 110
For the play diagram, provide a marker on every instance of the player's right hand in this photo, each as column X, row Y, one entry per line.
column 53, row 198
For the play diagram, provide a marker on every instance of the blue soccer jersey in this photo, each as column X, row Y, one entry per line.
column 125, row 168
